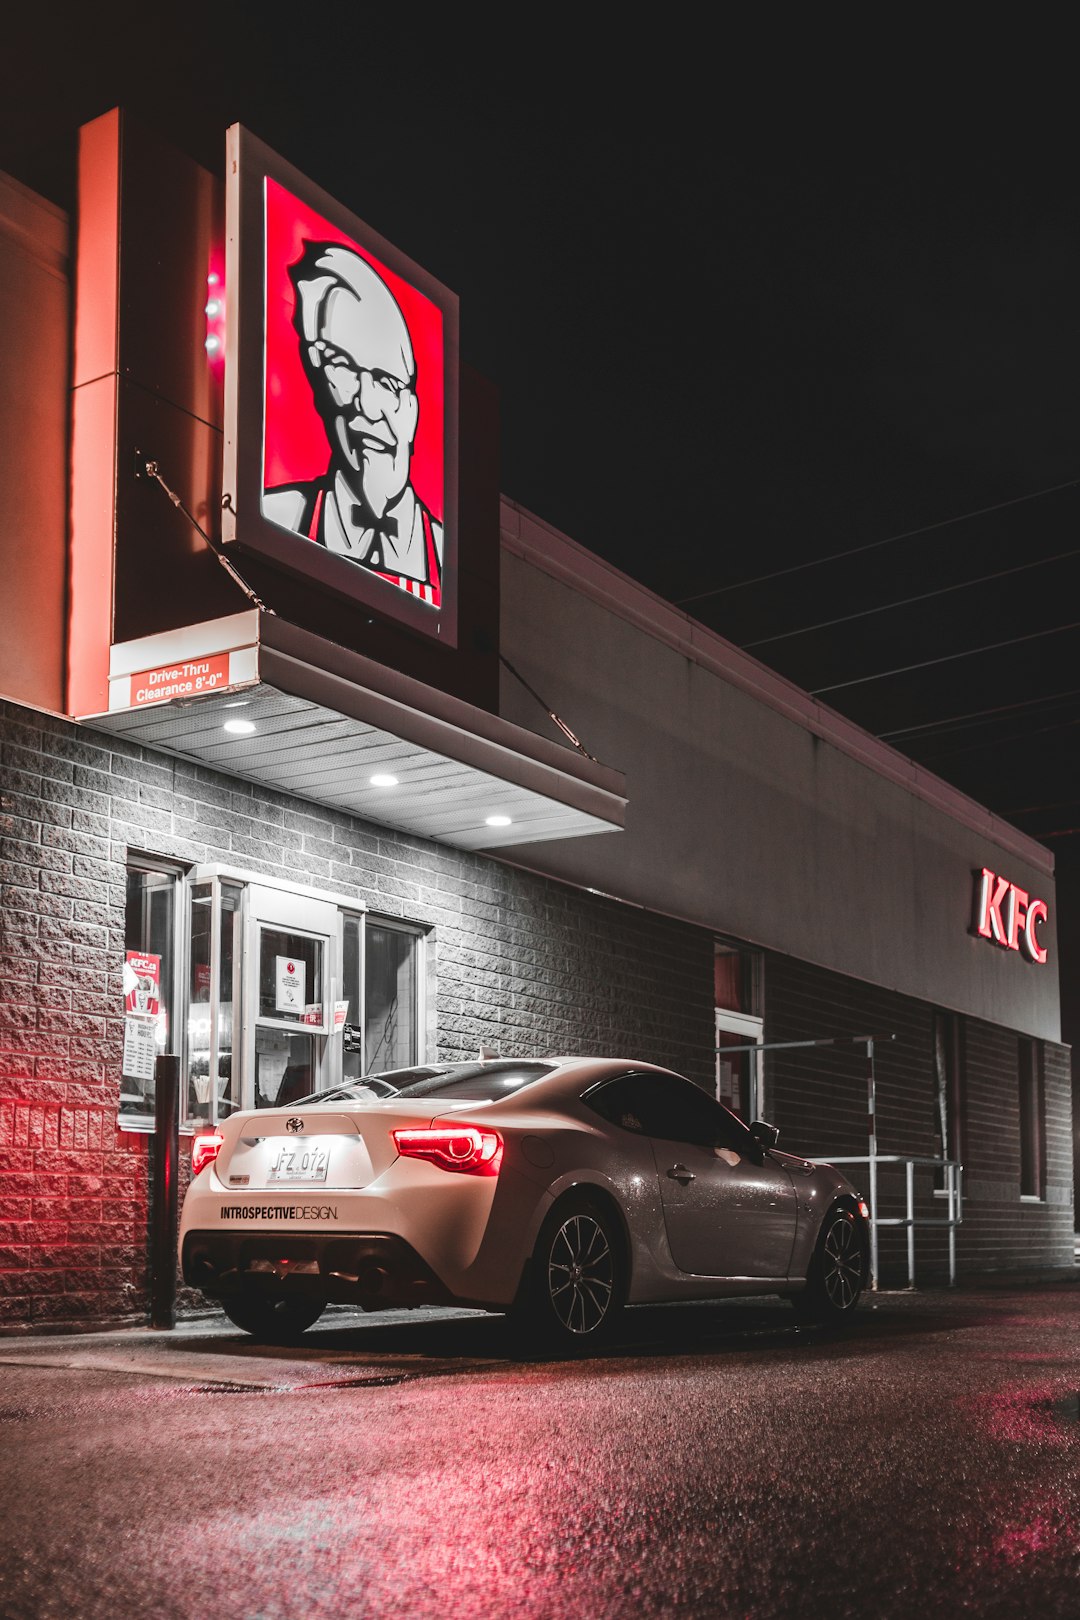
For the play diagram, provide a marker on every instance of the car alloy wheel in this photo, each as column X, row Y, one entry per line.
column 842, row 1264
column 581, row 1274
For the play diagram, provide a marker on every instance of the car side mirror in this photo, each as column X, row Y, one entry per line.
column 768, row 1135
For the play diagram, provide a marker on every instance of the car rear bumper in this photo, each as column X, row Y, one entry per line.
column 377, row 1270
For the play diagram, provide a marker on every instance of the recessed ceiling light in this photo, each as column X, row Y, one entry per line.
column 383, row 779
column 497, row 821
column 239, row 728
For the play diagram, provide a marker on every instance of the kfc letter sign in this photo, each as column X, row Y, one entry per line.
column 1008, row 916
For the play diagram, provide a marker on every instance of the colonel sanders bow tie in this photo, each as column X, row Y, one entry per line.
column 381, row 529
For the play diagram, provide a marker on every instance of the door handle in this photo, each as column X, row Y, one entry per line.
column 679, row 1172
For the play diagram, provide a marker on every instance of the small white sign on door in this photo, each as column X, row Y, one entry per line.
column 290, row 995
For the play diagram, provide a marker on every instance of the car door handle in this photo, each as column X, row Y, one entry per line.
column 679, row 1172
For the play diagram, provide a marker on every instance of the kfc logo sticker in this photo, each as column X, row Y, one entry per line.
column 1008, row 916
column 353, row 449
column 142, row 984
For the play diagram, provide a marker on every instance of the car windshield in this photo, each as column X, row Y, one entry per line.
column 478, row 1082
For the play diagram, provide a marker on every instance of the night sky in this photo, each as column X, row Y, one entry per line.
column 752, row 301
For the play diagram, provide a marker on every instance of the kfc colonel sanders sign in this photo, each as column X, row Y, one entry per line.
column 341, row 399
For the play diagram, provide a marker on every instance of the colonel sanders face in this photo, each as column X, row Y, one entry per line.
column 359, row 359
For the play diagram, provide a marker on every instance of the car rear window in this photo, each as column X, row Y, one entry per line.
column 380, row 1086
column 478, row 1082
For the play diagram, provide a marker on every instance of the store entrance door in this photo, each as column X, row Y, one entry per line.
column 293, row 978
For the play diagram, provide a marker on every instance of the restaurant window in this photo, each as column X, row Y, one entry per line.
column 738, row 1023
column 149, row 984
column 1032, row 1133
column 286, row 992
column 382, row 977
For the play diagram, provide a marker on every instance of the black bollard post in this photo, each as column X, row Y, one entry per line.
column 164, row 1192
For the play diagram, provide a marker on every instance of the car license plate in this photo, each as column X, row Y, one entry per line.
column 299, row 1162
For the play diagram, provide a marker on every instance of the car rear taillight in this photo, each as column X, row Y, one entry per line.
column 205, row 1149
column 864, row 1209
column 463, row 1148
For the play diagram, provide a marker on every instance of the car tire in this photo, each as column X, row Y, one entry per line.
column 574, row 1286
column 837, row 1273
column 273, row 1320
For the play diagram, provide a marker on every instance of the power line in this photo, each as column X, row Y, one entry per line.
column 1041, row 809
column 977, row 716
column 873, row 545
column 997, row 742
column 908, row 601
column 946, row 658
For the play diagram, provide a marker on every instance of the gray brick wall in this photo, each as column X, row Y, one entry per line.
column 522, row 963
column 819, row 1100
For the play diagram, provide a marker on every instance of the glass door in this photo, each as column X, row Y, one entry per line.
column 738, row 1073
column 293, row 981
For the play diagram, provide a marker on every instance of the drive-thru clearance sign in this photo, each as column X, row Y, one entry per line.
column 190, row 679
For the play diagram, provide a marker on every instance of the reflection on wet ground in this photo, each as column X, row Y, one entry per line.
column 716, row 1460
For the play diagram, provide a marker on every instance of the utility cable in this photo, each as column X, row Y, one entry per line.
column 909, row 601
column 873, row 545
column 978, row 716
column 998, row 741
column 550, row 712
column 150, row 469
column 946, row 658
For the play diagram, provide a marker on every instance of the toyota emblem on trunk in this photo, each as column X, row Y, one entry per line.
column 294, row 1124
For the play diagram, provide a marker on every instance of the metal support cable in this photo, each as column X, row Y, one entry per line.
column 550, row 712
column 150, row 469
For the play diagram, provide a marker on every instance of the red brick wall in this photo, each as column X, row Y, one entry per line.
column 73, row 1214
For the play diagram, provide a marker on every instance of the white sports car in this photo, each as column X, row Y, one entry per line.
column 560, row 1189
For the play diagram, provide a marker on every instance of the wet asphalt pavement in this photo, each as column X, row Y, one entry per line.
column 718, row 1461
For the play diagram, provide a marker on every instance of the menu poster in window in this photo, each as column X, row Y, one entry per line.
column 140, row 1047
column 142, row 984
column 290, row 985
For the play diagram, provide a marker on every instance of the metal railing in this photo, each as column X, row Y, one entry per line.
column 909, row 1220
column 952, row 1171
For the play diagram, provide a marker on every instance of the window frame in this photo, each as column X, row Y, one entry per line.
column 748, row 1022
column 145, row 1123
column 216, row 876
column 1031, row 1096
column 950, row 1086
column 420, row 935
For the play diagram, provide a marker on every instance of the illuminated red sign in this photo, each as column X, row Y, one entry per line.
column 1008, row 916
column 341, row 399
column 190, row 678
column 353, row 442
